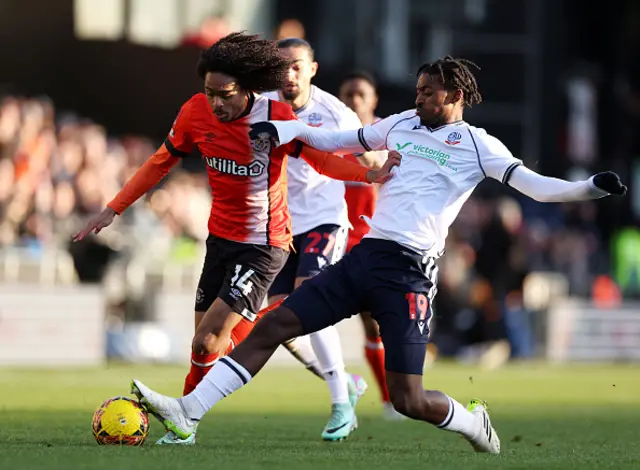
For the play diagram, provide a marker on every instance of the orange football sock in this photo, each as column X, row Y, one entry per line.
column 374, row 352
column 202, row 363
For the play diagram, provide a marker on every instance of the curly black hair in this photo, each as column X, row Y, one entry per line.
column 455, row 75
column 257, row 64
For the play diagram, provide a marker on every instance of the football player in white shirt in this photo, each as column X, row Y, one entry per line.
column 320, row 225
column 392, row 272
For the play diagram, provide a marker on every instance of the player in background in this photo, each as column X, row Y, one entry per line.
column 392, row 271
column 249, row 223
column 358, row 90
column 320, row 229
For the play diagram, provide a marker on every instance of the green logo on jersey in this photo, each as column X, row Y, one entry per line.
column 437, row 156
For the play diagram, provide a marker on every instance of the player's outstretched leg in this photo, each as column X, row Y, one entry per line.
column 472, row 422
column 238, row 334
column 181, row 415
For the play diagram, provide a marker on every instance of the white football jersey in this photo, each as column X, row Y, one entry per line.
column 315, row 199
column 440, row 169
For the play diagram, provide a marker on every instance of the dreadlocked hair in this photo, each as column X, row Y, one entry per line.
column 257, row 64
column 455, row 74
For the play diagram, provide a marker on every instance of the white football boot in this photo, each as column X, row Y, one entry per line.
column 170, row 439
column 487, row 440
column 167, row 410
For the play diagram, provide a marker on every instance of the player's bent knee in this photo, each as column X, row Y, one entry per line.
column 203, row 343
column 370, row 326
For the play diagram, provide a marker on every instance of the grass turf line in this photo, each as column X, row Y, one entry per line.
column 549, row 418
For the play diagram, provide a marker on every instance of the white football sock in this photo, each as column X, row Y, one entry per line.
column 224, row 378
column 326, row 344
column 459, row 419
column 301, row 349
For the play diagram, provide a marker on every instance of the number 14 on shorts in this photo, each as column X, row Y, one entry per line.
column 418, row 308
column 242, row 282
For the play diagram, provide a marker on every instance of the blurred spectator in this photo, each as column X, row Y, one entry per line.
column 211, row 29
column 290, row 28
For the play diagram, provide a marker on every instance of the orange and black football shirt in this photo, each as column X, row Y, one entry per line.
column 248, row 178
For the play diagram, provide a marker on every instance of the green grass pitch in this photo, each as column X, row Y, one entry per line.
column 582, row 417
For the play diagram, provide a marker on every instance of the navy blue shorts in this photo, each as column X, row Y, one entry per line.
column 312, row 252
column 392, row 282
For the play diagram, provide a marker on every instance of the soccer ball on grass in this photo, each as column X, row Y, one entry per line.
column 120, row 421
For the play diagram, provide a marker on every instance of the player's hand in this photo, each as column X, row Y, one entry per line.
column 97, row 223
column 384, row 174
column 610, row 182
column 260, row 130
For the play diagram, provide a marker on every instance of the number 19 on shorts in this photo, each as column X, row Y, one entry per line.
column 418, row 306
column 418, row 309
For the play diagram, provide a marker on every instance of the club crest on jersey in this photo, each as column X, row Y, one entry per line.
column 315, row 120
column 454, row 138
column 261, row 143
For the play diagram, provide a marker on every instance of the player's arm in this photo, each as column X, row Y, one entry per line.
column 147, row 176
column 283, row 132
column 365, row 139
column 369, row 160
column 497, row 162
column 338, row 168
column 546, row 189
column 348, row 119
column 178, row 144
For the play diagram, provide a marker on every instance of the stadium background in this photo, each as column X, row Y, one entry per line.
column 89, row 89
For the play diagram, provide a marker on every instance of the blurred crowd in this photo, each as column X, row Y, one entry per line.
column 498, row 240
column 57, row 169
